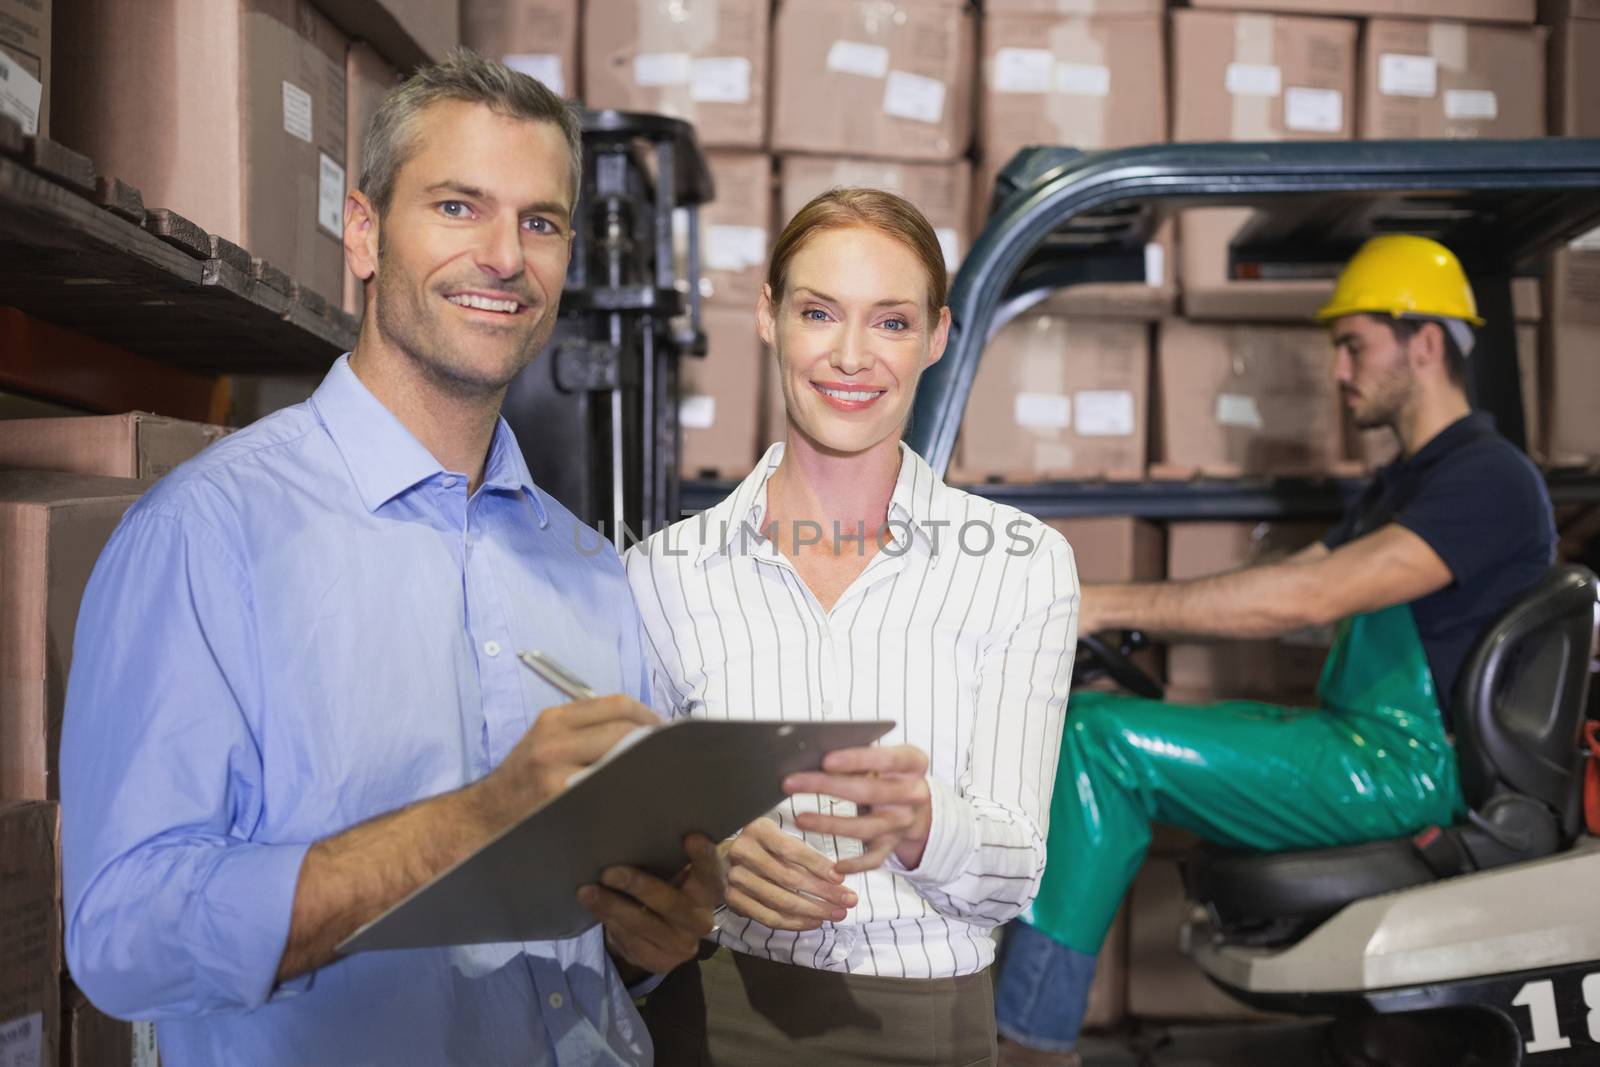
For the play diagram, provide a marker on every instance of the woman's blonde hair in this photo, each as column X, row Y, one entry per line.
column 891, row 215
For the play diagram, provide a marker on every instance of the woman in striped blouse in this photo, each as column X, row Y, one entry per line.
column 844, row 580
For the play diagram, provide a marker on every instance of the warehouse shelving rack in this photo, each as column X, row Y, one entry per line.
column 596, row 414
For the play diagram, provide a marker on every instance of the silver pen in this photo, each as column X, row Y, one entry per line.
column 556, row 675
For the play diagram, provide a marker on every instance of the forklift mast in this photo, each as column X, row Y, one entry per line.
column 596, row 412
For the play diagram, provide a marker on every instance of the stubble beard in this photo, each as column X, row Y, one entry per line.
column 1384, row 402
column 408, row 321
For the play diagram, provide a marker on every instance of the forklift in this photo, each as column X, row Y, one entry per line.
column 1472, row 944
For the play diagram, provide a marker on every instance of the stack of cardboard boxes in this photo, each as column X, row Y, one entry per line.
column 261, row 156
column 1570, row 374
column 64, row 485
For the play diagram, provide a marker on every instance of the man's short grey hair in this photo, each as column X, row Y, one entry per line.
column 464, row 75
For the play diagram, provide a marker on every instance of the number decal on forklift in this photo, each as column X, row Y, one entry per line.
column 1540, row 1000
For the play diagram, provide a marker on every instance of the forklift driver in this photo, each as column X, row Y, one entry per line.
column 1444, row 539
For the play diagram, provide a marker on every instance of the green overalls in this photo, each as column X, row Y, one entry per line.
column 1373, row 761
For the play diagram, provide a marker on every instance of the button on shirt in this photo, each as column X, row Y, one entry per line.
column 301, row 629
column 961, row 629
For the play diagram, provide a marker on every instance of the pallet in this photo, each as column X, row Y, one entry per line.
column 80, row 251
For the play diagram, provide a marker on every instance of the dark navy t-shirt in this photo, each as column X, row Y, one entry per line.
column 1482, row 506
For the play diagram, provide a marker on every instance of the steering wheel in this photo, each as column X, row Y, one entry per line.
column 1099, row 658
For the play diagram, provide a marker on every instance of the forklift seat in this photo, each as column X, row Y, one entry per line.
column 1518, row 715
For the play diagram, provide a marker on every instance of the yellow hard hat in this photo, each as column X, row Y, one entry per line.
column 1400, row 274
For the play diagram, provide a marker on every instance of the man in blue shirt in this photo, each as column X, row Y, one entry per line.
column 295, row 696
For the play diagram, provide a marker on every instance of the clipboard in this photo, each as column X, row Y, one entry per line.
column 633, row 808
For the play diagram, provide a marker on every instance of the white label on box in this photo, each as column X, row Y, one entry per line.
column 662, row 68
column 912, row 96
column 1104, row 413
column 1403, row 75
column 1254, row 79
column 950, row 244
column 20, row 93
column 1083, row 79
column 1316, row 110
column 1586, row 242
column 1238, row 409
column 720, row 80
column 144, row 1045
column 1024, row 70
column 853, row 57
column 1155, row 264
column 1471, row 104
column 297, row 111
column 22, row 1041
column 330, row 195
column 1043, row 411
column 735, row 247
column 540, row 66
column 697, row 411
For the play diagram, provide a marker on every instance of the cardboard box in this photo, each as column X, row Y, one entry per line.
column 885, row 78
column 1236, row 400
column 1574, row 85
column 1058, row 398
column 941, row 191
column 718, row 406
column 1117, row 549
column 1478, row 10
column 1163, row 981
column 1451, row 79
column 1154, row 299
column 736, row 230
column 1069, row 80
column 91, row 1038
column 1572, row 324
column 1283, row 671
column 704, row 61
column 1254, row 77
column 405, row 32
column 1377, row 447
column 368, row 79
column 1211, row 291
column 537, row 37
column 25, row 63
column 135, row 445
column 30, row 932
column 1074, row 7
column 230, row 113
column 52, row 528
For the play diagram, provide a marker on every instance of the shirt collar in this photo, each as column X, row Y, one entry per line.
column 919, row 499
column 1468, row 427
column 385, row 459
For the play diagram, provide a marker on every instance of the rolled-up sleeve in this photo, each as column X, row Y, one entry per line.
column 172, row 907
column 986, row 846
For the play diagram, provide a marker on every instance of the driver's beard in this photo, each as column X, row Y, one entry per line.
column 407, row 322
column 1387, row 399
